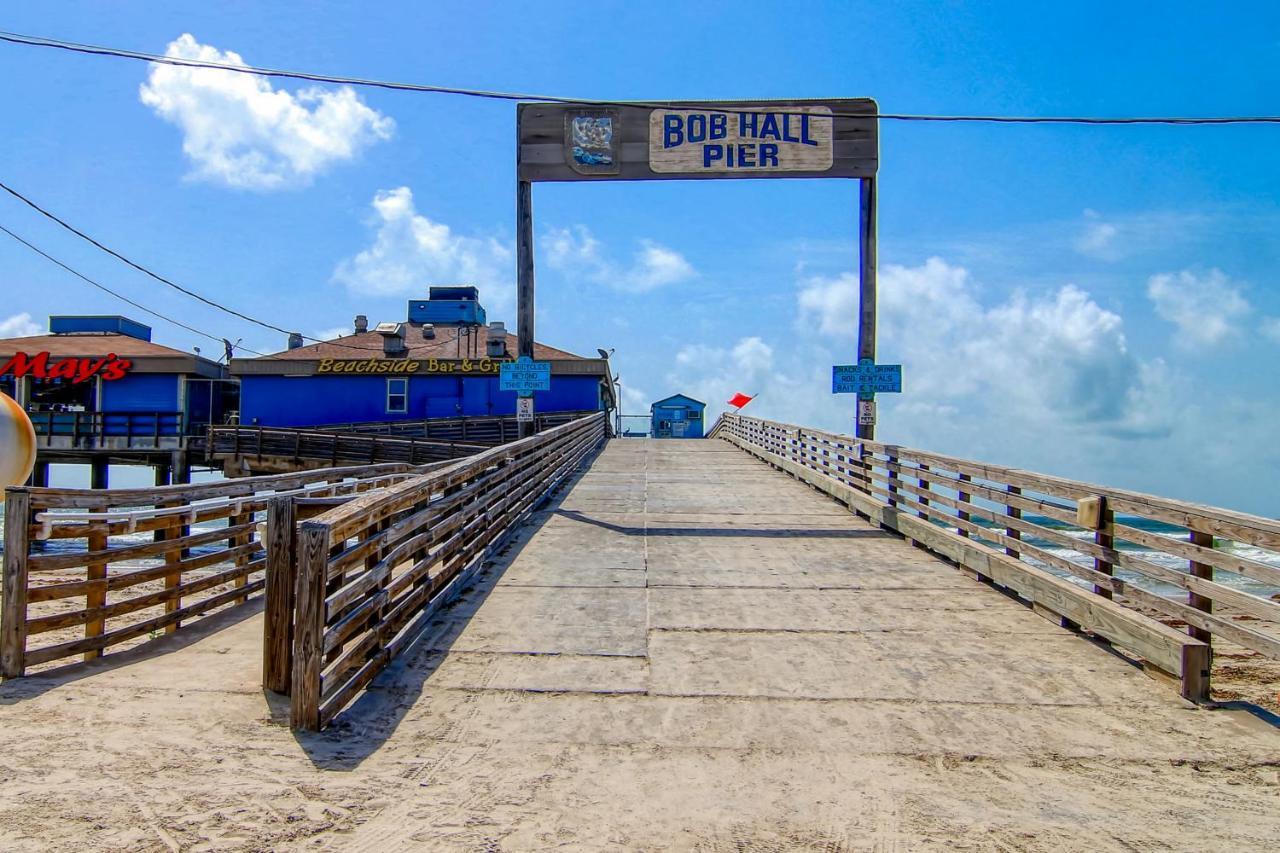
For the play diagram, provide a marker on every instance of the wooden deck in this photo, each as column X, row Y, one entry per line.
column 687, row 650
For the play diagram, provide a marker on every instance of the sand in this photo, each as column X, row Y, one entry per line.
column 657, row 662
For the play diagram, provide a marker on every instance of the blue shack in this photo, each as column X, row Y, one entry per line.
column 676, row 416
column 441, row 361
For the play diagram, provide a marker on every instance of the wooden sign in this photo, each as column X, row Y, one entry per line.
column 698, row 139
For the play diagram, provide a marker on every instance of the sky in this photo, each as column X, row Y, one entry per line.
column 1094, row 302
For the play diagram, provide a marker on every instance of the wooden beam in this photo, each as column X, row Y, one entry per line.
column 277, row 626
column 866, row 282
column 525, row 311
column 13, row 615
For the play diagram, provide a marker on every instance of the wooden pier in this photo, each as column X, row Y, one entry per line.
column 780, row 638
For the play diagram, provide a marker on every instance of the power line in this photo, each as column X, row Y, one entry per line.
column 119, row 296
column 186, row 291
column 99, row 50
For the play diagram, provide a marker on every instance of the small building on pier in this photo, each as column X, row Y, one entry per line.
column 441, row 361
column 676, row 416
column 99, row 391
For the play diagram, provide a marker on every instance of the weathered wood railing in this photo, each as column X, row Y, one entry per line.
column 330, row 448
column 368, row 575
column 1058, row 543
column 78, row 578
column 474, row 429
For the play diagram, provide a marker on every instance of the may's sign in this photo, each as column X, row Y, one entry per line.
column 108, row 368
column 796, row 139
column 698, row 139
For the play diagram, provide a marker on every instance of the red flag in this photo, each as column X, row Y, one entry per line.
column 739, row 400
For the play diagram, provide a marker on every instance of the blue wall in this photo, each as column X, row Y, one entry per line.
column 673, row 410
column 310, row 400
column 141, row 392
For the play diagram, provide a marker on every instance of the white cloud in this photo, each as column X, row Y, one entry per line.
column 1056, row 358
column 241, row 132
column 1098, row 237
column 335, row 332
column 575, row 250
column 411, row 251
column 19, row 326
column 1204, row 308
column 1271, row 328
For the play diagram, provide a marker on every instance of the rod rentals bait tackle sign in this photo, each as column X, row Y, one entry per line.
column 748, row 139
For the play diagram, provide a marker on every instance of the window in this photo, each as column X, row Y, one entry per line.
column 397, row 395
column 695, row 415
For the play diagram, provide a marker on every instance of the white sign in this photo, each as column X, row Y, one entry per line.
column 785, row 139
column 524, row 410
column 866, row 412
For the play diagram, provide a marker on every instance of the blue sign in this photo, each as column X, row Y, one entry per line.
column 866, row 378
column 524, row 376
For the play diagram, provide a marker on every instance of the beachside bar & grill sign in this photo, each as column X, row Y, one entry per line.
column 749, row 139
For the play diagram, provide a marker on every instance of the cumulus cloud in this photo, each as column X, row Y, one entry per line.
column 575, row 250
column 1098, row 237
column 410, row 251
column 1052, row 358
column 19, row 326
column 1205, row 308
column 240, row 131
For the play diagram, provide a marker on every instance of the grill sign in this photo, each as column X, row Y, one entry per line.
column 76, row 370
column 795, row 139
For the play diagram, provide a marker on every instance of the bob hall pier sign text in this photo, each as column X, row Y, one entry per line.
column 746, row 139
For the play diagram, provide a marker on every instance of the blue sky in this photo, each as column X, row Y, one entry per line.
column 1094, row 302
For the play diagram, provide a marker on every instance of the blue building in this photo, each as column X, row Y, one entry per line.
column 98, row 390
column 441, row 361
column 676, row 416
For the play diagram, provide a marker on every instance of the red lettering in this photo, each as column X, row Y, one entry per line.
column 87, row 367
column 116, row 369
column 21, row 364
column 65, row 369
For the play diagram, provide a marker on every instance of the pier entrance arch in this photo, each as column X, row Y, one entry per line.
column 699, row 140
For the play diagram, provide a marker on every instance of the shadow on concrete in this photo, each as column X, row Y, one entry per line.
column 1266, row 716
column 37, row 683
column 735, row 532
column 361, row 729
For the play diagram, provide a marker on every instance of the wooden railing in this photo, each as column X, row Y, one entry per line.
column 330, row 448
column 1110, row 561
column 121, row 430
column 351, row 588
column 78, row 578
column 474, row 429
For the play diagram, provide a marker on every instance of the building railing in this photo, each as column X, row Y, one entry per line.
column 87, row 569
column 350, row 589
column 476, row 429
column 88, row 430
column 1110, row 561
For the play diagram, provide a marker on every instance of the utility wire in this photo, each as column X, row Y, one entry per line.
column 139, row 267
column 119, row 296
column 99, row 50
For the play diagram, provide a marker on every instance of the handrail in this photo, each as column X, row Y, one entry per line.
column 56, row 603
column 370, row 573
column 1173, row 559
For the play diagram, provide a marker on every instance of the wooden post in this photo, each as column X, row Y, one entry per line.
column 1104, row 538
column 963, row 497
column 892, row 477
column 1201, row 570
column 13, row 616
column 867, row 282
column 524, row 277
column 98, row 475
column 277, row 626
column 1013, row 512
column 97, row 595
column 308, row 630
column 241, row 560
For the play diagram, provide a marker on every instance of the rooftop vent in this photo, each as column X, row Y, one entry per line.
column 392, row 338
column 295, row 340
column 496, row 345
column 428, row 332
column 362, row 324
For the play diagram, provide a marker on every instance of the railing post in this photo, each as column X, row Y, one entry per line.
column 1200, row 570
column 312, row 561
column 97, row 596
column 962, row 497
column 1106, row 539
column 1013, row 512
column 13, row 617
column 892, row 477
column 277, row 627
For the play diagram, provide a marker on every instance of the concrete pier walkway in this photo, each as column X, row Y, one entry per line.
column 686, row 651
